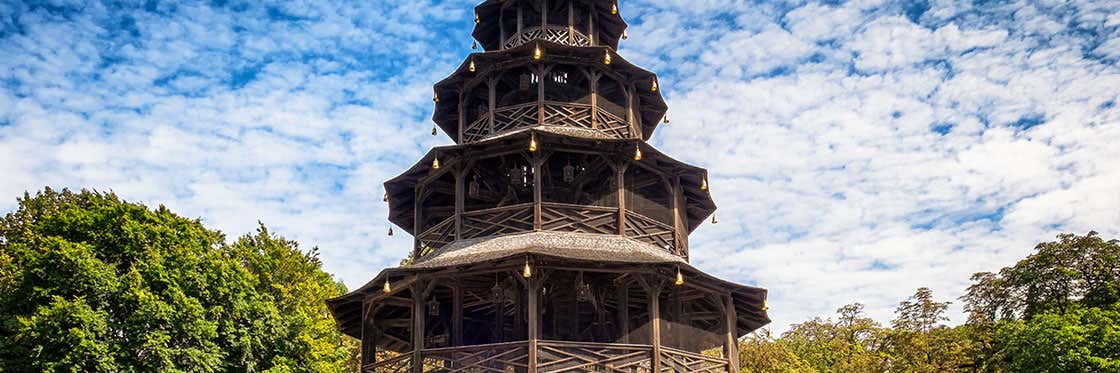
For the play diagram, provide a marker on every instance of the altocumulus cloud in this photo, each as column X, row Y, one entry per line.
column 858, row 150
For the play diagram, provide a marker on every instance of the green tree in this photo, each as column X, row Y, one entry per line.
column 850, row 345
column 93, row 283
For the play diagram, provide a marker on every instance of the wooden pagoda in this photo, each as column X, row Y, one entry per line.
column 550, row 237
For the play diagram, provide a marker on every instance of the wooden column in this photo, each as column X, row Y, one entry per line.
column 460, row 199
column 520, row 21
column 655, row 325
column 534, row 290
column 462, row 118
column 624, row 312
column 677, row 207
column 491, row 84
column 544, row 15
column 620, row 176
column 456, row 314
column 368, row 352
column 417, row 328
column 502, row 28
column 731, row 346
column 417, row 213
column 538, row 160
column 541, row 72
column 571, row 24
column 595, row 98
column 593, row 13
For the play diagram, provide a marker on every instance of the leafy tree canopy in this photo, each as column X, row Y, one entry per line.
column 91, row 283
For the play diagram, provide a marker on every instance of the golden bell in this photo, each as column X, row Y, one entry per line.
column 614, row 8
column 704, row 184
column 666, row 118
column 390, row 231
column 653, row 87
column 714, row 220
column 433, row 130
column 607, row 58
column 528, row 271
column 435, row 163
column 533, row 143
column 765, row 305
column 637, row 153
column 471, row 67
column 474, row 45
column 435, row 98
column 680, row 278
column 624, row 37
column 476, row 20
column 537, row 52
column 386, row 289
column 385, row 198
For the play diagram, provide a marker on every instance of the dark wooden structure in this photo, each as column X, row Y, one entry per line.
column 550, row 237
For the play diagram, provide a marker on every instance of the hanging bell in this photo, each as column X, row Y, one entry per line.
column 714, row 220
column 474, row 45
column 614, row 8
column 386, row 289
column 680, row 278
column 433, row 130
column 533, row 143
column 666, row 118
column 471, row 67
column 390, row 231
column 385, row 198
column 607, row 58
column 435, row 98
column 476, row 20
column 653, row 88
column 624, row 37
column 704, row 184
column 537, row 52
column 528, row 271
column 637, row 153
column 435, row 163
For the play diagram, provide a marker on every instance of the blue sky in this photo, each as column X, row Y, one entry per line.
column 857, row 150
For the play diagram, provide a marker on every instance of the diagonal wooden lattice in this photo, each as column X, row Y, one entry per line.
column 642, row 228
column 579, row 218
column 673, row 360
column 439, row 235
column 555, row 34
column 497, row 358
column 556, row 113
column 556, row 357
column 498, row 221
column 399, row 364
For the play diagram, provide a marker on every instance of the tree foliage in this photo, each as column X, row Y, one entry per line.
column 91, row 283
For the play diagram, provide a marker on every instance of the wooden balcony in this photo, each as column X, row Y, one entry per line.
column 594, row 122
column 552, row 357
column 556, row 217
column 555, row 34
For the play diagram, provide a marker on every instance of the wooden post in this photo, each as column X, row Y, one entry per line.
column 544, row 15
column 491, row 84
column 456, row 314
column 462, row 119
column 595, row 98
column 520, row 20
column 655, row 324
column 502, row 28
column 417, row 328
column 591, row 15
column 620, row 176
column 460, row 199
column 677, row 207
column 731, row 346
column 571, row 25
column 417, row 229
column 538, row 160
column 368, row 355
column 534, row 289
column 541, row 71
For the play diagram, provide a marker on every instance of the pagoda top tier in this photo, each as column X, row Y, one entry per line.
column 504, row 24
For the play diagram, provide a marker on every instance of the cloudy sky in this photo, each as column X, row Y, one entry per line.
column 858, row 150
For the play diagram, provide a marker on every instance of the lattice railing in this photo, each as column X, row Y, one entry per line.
column 556, row 113
column 558, row 356
column 437, row 236
column 498, row 221
column 555, row 34
column 498, row 357
column 565, row 217
column 399, row 364
column 674, row 360
column 643, row 228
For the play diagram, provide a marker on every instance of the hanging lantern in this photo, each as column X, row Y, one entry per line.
column 472, row 188
column 527, row 272
column 704, row 184
column 614, row 8
column 653, row 88
column 471, row 67
column 537, row 52
column 637, row 153
column 386, row 289
column 607, row 58
column 714, row 220
column 433, row 307
column 680, row 277
column 569, row 173
column 474, row 45
column 434, row 131
column 533, row 143
column 390, row 231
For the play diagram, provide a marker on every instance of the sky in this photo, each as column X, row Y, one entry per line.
column 857, row 150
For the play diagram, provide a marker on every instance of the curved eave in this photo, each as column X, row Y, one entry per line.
column 401, row 189
column 749, row 301
column 608, row 30
column 651, row 110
